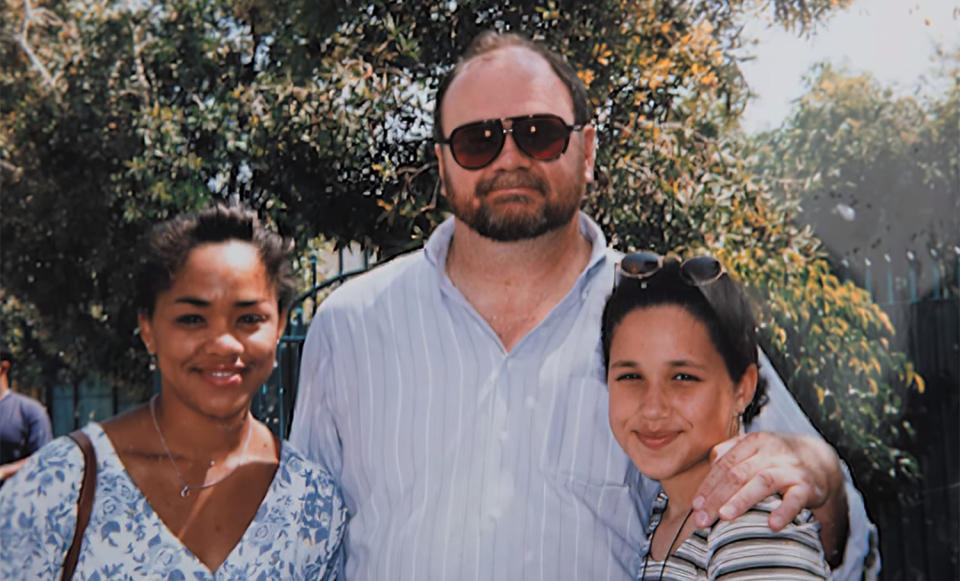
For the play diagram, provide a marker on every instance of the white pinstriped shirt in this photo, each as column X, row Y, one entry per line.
column 459, row 460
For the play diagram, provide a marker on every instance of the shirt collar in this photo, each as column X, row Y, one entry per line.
column 438, row 244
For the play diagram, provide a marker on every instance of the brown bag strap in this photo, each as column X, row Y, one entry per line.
column 84, row 504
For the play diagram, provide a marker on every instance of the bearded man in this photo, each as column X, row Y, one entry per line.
column 459, row 392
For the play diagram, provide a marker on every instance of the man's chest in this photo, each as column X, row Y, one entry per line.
column 431, row 397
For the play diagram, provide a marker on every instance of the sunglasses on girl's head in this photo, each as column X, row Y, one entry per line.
column 542, row 137
column 696, row 271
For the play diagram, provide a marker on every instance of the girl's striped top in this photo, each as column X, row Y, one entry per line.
column 743, row 549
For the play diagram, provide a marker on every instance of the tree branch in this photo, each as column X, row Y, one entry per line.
column 15, row 170
column 24, row 43
column 138, row 43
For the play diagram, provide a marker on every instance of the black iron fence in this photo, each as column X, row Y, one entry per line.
column 921, row 540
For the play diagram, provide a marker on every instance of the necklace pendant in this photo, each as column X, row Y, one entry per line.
column 185, row 491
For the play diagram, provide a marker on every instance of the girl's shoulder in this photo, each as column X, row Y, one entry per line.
column 753, row 524
column 747, row 542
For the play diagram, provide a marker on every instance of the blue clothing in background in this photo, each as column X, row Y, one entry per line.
column 24, row 427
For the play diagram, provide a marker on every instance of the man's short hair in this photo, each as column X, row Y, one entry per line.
column 6, row 354
column 489, row 41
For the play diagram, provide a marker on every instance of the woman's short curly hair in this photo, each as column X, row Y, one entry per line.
column 170, row 242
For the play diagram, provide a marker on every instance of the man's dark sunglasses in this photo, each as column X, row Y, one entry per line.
column 542, row 137
column 696, row 271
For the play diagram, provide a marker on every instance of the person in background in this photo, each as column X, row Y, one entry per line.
column 189, row 485
column 458, row 393
column 24, row 423
column 680, row 348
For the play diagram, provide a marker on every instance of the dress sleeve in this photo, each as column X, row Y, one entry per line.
column 861, row 559
column 336, row 553
column 38, row 512
column 314, row 429
column 747, row 549
column 321, row 518
column 336, row 566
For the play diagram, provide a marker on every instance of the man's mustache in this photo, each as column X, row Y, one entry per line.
column 512, row 179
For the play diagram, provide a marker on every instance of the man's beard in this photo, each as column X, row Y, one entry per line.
column 506, row 226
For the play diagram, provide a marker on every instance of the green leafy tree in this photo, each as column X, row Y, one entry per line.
column 319, row 115
column 874, row 173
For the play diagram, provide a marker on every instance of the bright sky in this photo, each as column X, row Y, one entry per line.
column 892, row 39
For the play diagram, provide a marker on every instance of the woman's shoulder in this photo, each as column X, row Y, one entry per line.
column 294, row 459
column 58, row 462
column 49, row 480
column 52, row 475
column 297, row 471
column 305, row 499
column 38, row 511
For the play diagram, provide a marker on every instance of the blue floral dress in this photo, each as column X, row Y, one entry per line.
column 296, row 534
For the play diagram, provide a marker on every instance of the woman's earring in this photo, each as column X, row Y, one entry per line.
column 735, row 424
column 153, row 362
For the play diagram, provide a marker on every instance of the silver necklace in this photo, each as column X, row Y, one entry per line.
column 185, row 491
column 663, row 565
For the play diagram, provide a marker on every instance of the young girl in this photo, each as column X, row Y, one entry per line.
column 680, row 346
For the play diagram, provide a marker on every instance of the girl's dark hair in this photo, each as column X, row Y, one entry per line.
column 169, row 243
column 720, row 305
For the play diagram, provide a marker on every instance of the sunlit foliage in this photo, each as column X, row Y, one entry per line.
column 116, row 114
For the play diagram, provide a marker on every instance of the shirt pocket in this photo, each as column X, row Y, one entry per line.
column 579, row 448
column 592, row 476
